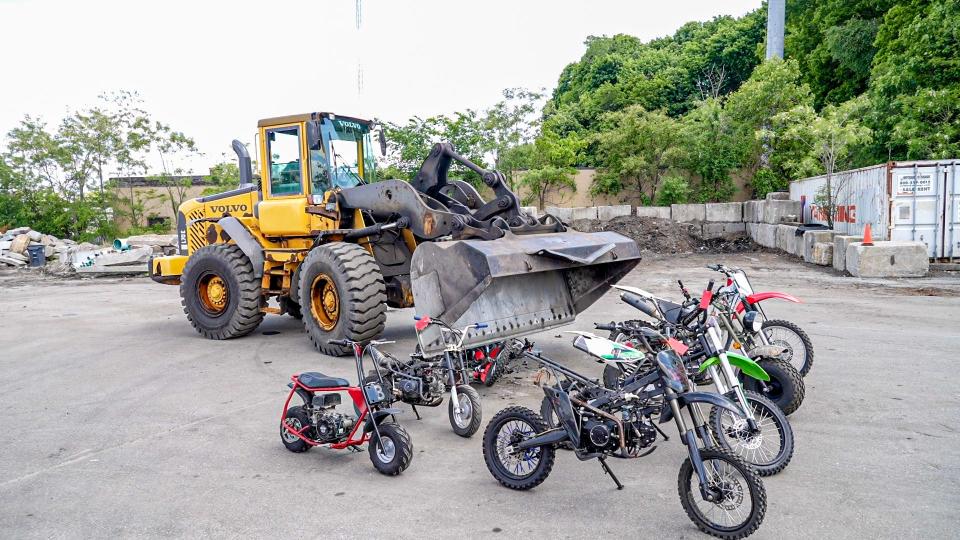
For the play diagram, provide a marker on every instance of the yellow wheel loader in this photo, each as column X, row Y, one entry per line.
column 335, row 247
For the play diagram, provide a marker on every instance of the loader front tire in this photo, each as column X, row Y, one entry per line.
column 220, row 293
column 342, row 296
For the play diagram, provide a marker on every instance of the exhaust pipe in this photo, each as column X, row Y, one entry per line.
column 246, row 170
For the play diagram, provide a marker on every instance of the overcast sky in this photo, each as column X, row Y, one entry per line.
column 212, row 69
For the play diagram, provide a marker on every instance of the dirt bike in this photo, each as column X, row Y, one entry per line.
column 489, row 363
column 317, row 423
column 761, row 435
column 420, row 381
column 741, row 298
column 720, row 493
column 784, row 385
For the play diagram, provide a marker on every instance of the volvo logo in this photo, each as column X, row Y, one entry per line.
column 229, row 208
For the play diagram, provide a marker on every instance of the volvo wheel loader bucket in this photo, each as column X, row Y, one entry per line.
column 518, row 284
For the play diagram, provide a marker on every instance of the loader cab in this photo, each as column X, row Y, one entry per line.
column 310, row 154
column 303, row 157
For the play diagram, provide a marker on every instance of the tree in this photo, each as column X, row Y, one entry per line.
column 552, row 171
column 712, row 150
column 510, row 123
column 637, row 147
column 224, row 176
column 828, row 139
column 774, row 87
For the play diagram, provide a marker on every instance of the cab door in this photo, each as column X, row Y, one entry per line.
column 283, row 210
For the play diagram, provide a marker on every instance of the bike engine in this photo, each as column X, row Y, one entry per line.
column 645, row 434
column 600, row 433
column 328, row 424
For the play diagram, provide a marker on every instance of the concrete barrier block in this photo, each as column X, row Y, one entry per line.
column 776, row 211
column 583, row 212
column 563, row 214
column 887, row 259
column 724, row 212
column 530, row 210
column 787, row 238
column 840, row 243
column 751, row 229
column 822, row 254
column 753, row 211
column 688, row 212
column 606, row 213
column 778, row 196
column 727, row 231
column 811, row 238
column 767, row 235
column 662, row 212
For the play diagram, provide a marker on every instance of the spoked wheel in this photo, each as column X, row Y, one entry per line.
column 791, row 337
column 769, row 448
column 465, row 420
column 741, row 500
column 516, row 469
column 392, row 454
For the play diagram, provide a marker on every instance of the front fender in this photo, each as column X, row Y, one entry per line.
column 686, row 399
column 746, row 365
column 378, row 416
column 760, row 297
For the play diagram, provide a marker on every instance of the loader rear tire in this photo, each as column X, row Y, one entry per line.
column 220, row 293
column 342, row 296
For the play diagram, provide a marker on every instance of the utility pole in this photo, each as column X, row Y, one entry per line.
column 776, row 15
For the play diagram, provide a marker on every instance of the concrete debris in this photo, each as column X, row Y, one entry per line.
column 66, row 257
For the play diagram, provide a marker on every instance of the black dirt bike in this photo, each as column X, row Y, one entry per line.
column 720, row 493
column 420, row 381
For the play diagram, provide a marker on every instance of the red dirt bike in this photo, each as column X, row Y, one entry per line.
column 491, row 362
column 778, row 332
column 316, row 422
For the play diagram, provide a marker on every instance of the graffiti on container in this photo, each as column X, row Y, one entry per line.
column 908, row 185
column 843, row 213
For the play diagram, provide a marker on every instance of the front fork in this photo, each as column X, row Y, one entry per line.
column 731, row 378
column 690, row 439
column 452, row 380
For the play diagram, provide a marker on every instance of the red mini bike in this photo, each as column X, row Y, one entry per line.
column 316, row 422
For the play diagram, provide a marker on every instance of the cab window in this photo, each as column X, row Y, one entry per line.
column 283, row 146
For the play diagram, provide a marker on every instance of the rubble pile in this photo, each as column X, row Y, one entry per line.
column 20, row 246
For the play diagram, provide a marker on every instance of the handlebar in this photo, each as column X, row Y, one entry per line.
column 340, row 342
column 686, row 293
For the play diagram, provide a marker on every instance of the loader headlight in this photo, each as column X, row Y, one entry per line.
column 752, row 322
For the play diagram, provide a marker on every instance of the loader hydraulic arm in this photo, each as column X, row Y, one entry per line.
column 432, row 180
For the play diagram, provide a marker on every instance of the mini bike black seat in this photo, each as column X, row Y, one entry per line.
column 315, row 379
column 674, row 312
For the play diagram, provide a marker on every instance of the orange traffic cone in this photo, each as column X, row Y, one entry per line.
column 867, row 236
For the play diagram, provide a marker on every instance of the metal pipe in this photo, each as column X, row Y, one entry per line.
column 243, row 158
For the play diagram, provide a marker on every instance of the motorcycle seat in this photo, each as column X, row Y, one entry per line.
column 315, row 379
column 674, row 312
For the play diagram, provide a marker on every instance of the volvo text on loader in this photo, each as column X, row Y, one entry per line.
column 334, row 246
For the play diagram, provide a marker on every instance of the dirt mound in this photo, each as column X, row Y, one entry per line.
column 664, row 236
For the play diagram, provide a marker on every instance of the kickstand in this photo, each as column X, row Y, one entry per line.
column 606, row 469
column 415, row 412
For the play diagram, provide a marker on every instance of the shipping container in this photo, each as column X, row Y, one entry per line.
column 913, row 200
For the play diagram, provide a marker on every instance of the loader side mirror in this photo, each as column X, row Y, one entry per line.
column 383, row 141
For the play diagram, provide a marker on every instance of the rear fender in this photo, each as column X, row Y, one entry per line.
column 247, row 243
column 760, row 297
column 378, row 416
column 746, row 365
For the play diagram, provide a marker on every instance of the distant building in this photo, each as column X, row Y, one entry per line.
column 154, row 195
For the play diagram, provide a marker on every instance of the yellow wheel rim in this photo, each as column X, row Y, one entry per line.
column 213, row 293
column 324, row 302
